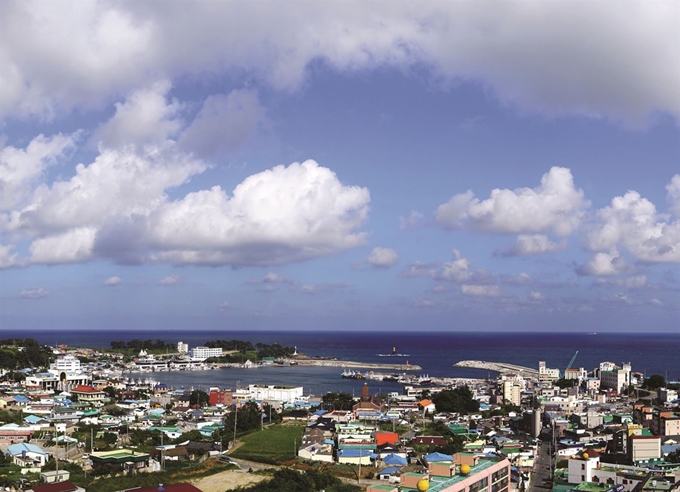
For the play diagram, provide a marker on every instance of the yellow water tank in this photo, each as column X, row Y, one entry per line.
column 423, row 484
column 464, row 469
column 586, row 456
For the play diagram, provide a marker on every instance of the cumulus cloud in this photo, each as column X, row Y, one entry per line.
column 560, row 60
column 555, row 206
column 602, row 264
column 145, row 117
column 382, row 257
column 531, row 244
column 21, row 169
column 632, row 223
column 673, row 189
column 223, row 124
column 459, row 270
column 170, row 280
column 111, row 281
column 278, row 216
column 8, row 258
column 34, row 293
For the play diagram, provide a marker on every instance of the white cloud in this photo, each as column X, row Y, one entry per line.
column 521, row 278
column 34, row 293
column 223, row 124
column 481, row 290
column 8, row 258
column 411, row 220
column 606, row 60
column 673, row 189
column 144, row 118
column 459, row 270
column 535, row 296
column 72, row 246
column 224, row 305
column 21, row 169
column 632, row 223
column 532, row 244
column 278, row 216
column 634, row 282
column 170, row 280
column 424, row 303
column 111, row 281
column 602, row 264
column 383, row 257
column 555, row 206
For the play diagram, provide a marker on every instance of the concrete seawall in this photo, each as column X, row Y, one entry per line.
column 501, row 367
column 357, row 365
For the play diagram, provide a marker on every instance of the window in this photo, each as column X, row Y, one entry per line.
column 478, row 486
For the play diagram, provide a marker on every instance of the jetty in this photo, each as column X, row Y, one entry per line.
column 357, row 365
column 501, row 367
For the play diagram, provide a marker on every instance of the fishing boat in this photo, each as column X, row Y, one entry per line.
column 393, row 354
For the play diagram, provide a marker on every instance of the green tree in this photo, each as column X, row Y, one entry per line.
column 655, row 381
column 459, row 400
column 337, row 401
column 198, row 398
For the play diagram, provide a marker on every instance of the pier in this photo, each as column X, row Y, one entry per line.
column 501, row 367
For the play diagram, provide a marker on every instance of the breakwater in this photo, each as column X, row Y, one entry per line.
column 356, row 365
column 501, row 367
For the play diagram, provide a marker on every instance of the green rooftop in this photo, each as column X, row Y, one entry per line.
column 437, row 484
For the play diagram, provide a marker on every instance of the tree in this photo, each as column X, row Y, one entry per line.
column 337, row 401
column 198, row 398
column 459, row 400
column 653, row 382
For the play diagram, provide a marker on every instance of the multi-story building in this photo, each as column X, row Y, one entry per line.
column 202, row 353
column 182, row 348
column 667, row 395
column 221, row 397
column 546, row 373
column 512, row 392
column 616, row 378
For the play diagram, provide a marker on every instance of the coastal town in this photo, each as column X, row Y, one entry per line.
column 94, row 419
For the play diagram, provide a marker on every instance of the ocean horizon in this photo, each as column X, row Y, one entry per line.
column 435, row 351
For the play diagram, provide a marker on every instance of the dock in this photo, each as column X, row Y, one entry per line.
column 501, row 367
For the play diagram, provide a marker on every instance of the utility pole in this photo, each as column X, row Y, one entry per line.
column 235, row 419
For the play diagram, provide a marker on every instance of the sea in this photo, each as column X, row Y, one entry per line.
column 435, row 352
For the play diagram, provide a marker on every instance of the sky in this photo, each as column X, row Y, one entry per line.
column 355, row 165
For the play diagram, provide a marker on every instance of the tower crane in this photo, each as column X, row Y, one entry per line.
column 571, row 362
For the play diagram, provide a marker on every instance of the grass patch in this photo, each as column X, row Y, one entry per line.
column 272, row 445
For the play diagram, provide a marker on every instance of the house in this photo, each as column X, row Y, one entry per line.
column 88, row 394
column 66, row 486
column 11, row 433
column 27, row 455
column 430, row 440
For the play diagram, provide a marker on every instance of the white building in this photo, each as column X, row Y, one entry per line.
column 203, row 353
column 616, row 378
column 68, row 363
column 546, row 373
column 512, row 392
column 272, row 392
column 182, row 348
column 667, row 395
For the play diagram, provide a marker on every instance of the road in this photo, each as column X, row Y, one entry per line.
column 541, row 474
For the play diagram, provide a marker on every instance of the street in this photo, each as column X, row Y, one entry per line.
column 541, row 475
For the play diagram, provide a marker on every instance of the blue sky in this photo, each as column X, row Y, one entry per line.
column 327, row 165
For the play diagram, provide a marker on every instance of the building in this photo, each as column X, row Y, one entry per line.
column 512, row 392
column 202, row 353
column 458, row 475
column 66, row 486
column 546, row 373
column 91, row 396
column 614, row 377
column 220, row 397
column 182, row 348
column 582, row 468
column 27, row 455
column 263, row 392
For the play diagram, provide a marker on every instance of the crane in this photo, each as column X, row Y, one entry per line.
column 571, row 362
